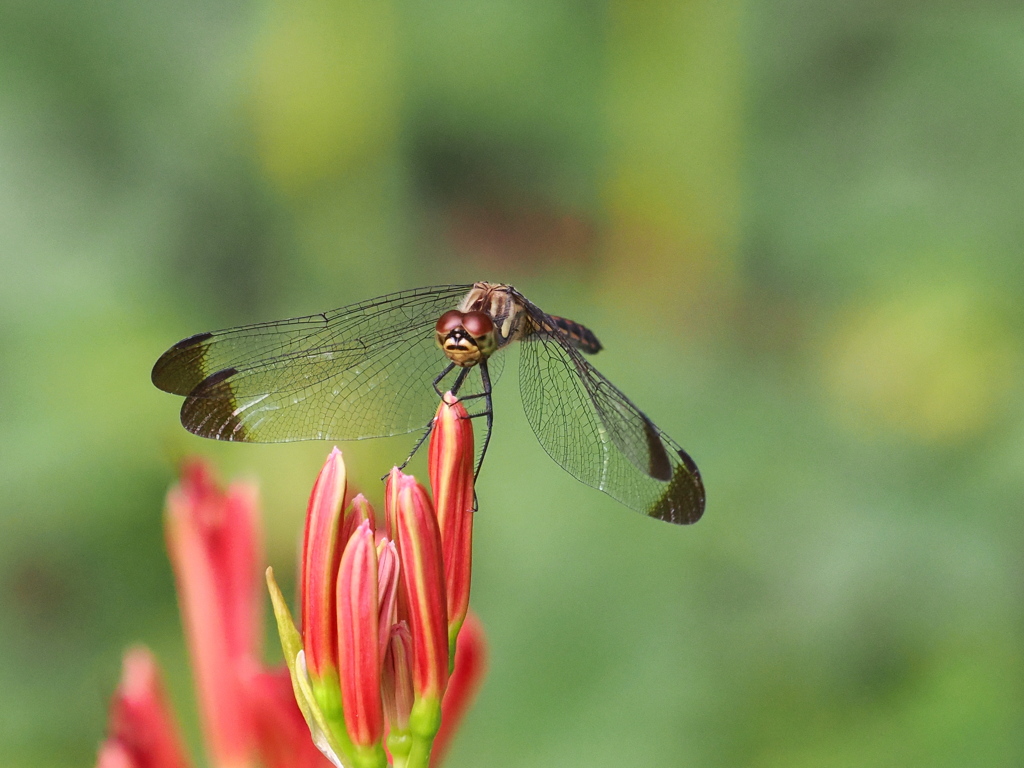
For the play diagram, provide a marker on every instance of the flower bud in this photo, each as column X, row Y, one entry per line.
column 450, row 462
column 359, row 640
column 422, row 574
column 387, row 590
column 358, row 511
column 397, row 678
column 321, row 555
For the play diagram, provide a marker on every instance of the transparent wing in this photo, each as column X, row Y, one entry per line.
column 596, row 434
column 365, row 370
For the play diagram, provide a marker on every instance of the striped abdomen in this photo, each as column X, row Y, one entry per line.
column 578, row 335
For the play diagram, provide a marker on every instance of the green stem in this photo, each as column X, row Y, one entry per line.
column 419, row 755
column 370, row 757
column 399, row 743
column 424, row 720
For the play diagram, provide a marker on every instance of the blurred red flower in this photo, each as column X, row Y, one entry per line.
column 247, row 714
column 371, row 674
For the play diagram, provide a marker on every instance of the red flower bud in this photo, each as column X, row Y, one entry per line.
column 358, row 511
column 321, row 556
column 359, row 640
column 422, row 574
column 450, row 462
column 391, row 486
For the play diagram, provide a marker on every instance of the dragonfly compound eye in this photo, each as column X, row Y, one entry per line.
column 477, row 324
column 449, row 321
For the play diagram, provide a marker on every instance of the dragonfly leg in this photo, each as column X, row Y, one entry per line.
column 488, row 412
column 441, row 376
column 457, row 384
column 426, row 433
column 430, row 424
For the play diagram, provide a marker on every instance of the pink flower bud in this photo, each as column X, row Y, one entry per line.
column 358, row 511
column 450, row 462
column 397, row 678
column 359, row 639
column 387, row 590
column 422, row 574
column 321, row 556
column 391, row 486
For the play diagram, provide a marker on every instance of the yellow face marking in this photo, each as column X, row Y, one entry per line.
column 461, row 348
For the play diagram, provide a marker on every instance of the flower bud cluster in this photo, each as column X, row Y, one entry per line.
column 373, row 665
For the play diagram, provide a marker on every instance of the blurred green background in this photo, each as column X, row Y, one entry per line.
column 795, row 226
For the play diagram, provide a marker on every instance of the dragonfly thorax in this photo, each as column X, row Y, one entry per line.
column 467, row 338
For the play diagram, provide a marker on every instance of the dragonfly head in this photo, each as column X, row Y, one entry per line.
column 466, row 338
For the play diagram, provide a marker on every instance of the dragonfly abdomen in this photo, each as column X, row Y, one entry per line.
column 578, row 335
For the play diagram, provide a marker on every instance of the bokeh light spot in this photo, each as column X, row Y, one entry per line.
column 931, row 363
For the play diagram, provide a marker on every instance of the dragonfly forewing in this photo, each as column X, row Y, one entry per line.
column 357, row 372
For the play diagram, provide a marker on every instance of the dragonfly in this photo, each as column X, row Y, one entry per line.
column 377, row 368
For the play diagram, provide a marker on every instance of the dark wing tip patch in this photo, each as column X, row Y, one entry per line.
column 683, row 501
column 182, row 367
column 191, row 341
column 211, row 409
column 658, row 465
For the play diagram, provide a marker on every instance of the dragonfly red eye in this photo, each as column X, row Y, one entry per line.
column 477, row 324
column 449, row 321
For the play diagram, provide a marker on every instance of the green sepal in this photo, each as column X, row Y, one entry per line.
column 335, row 746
